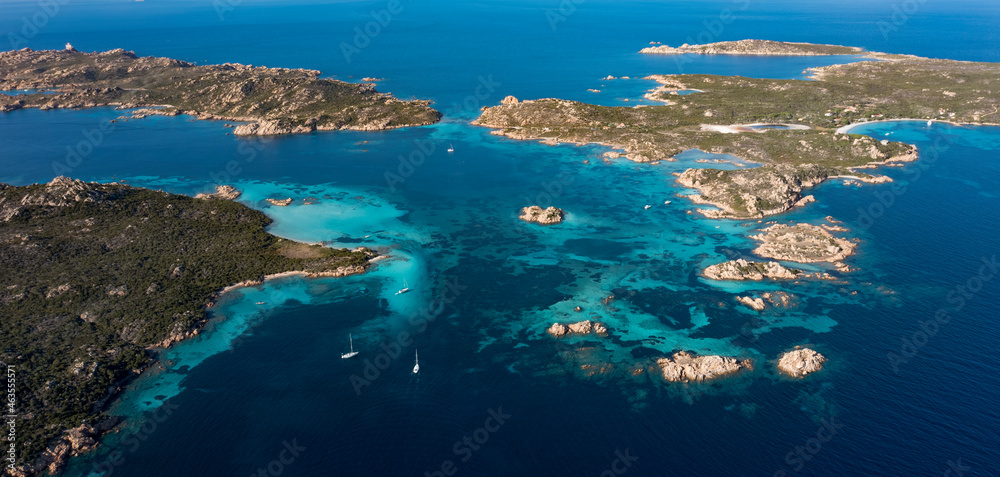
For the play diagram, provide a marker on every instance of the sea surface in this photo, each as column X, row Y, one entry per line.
column 263, row 390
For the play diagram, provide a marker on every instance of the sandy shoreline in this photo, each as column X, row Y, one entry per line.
column 846, row 129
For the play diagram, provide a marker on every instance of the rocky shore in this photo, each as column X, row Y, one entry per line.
column 549, row 216
column 685, row 367
column 226, row 192
column 272, row 100
column 745, row 270
column 800, row 362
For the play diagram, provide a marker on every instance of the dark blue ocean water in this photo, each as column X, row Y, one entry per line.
column 266, row 376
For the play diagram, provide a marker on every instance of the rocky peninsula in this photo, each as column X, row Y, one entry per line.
column 755, row 48
column 741, row 269
column 684, row 367
column 800, row 362
column 226, row 192
column 98, row 275
column 549, row 216
column 271, row 100
column 803, row 243
column 792, row 159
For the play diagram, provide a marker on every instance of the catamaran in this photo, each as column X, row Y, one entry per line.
column 404, row 289
column 416, row 362
column 352, row 353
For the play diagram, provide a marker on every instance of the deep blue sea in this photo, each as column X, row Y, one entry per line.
column 263, row 390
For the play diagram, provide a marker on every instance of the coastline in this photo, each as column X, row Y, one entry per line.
column 82, row 433
column 60, row 451
column 305, row 102
column 846, row 129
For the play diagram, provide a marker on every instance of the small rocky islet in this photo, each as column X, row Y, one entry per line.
column 538, row 215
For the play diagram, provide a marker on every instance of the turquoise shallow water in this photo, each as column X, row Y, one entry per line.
column 485, row 286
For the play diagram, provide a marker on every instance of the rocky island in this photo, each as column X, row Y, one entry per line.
column 684, row 367
column 741, row 269
column 549, row 216
column 585, row 327
column 800, row 362
column 803, row 243
column 95, row 276
column 754, row 48
column 792, row 159
column 271, row 100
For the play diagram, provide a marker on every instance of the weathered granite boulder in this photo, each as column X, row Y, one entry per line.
column 745, row 270
column 582, row 327
column 755, row 303
column 269, row 128
column 800, row 362
column 557, row 330
column 509, row 100
column 534, row 213
column 685, row 366
column 59, row 192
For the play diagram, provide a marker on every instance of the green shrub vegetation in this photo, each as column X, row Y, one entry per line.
column 94, row 275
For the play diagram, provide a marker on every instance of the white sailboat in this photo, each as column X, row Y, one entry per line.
column 930, row 122
column 404, row 289
column 352, row 353
column 416, row 362
column 451, row 147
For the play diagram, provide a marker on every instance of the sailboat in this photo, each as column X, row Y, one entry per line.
column 416, row 362
column 352, row 353
column 404, row 289
column 451, row 147
column 930, row 122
